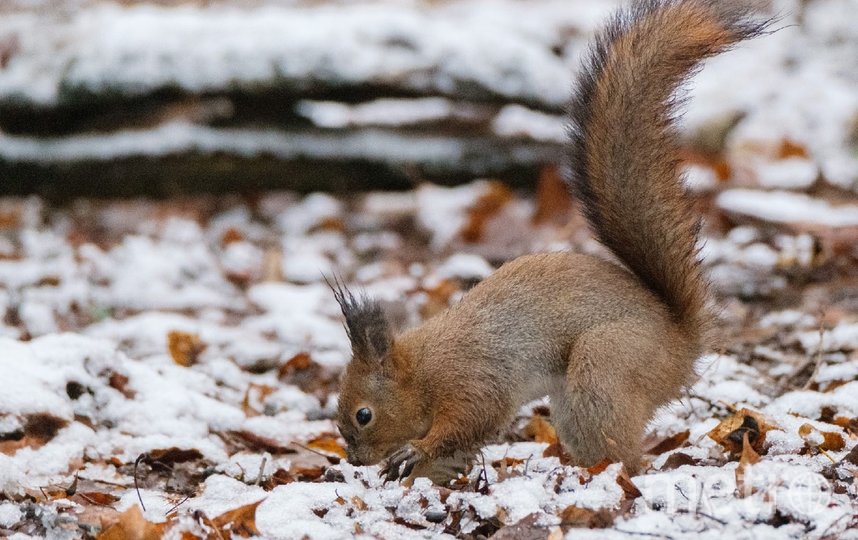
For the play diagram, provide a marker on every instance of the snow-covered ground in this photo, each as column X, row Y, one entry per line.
column 198, row 338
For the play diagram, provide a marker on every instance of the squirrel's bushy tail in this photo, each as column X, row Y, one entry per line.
column 624, row 166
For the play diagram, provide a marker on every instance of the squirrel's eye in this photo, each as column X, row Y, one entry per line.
column 363, row 416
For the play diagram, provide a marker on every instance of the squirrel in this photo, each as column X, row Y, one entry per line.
column 609, row 343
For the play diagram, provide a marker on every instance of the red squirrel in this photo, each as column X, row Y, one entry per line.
column 608, row 342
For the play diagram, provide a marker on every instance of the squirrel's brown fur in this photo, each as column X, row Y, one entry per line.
column 608, row 345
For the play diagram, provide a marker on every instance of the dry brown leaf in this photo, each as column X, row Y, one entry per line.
column 748, row 457
column 822, row 440
column 258, row 392
column 300, row 361
column 671, row 443
column 731, row 431
column 438, row 298
column 37, row 431
column 676, row 460
column 556, row 450
column 119, row 382
column 163, row 458
column 789, row 148
column 133, row 526
column 258, row 443
column 553, row 202
column 599, row 468
column 96, row 497
column 308, row 474
column 540, row 430
column 852, row 456
column 230, row 236
column 629, row 487
column 493, row 199
column 848, row 424
column 358, row 503
column 184, row 347
column 240, row 522
column 328, row 444
column 575, row 516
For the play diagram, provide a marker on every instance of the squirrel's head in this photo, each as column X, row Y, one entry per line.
column 380, row 408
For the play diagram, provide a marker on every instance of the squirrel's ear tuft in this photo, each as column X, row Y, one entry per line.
column 369, row 331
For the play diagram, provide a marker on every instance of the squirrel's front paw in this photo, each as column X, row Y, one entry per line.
column 400, row 464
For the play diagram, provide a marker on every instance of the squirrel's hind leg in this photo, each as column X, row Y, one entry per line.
column 613, row 388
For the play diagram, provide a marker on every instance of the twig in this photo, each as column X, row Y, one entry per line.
column 641, row 533
column 137, row 461
column 704, row 514
column 178, row 504
column 261, row 470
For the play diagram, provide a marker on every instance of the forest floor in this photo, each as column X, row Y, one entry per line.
column 182, row 356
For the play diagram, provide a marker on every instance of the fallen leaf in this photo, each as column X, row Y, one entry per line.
column 629, row 487
column 37, row 431
column 789, row 148
column 163, row 458
column 257, row 393
column 599, row 468
column 240, row 522
column 119, row 382
column 748, row 457
column 95, row 497
column 133, row 526
column 490, row 202
column 298, row 362
column 575, row 516
column 328, row 444
column 670, row 443
column 258, row 443
column 553, row 202
column 730, row 433
column 852, row 456
column 308, row 474
column 184, row 347
column 556, row 450
column 676, row 460
column 528, row 528
column 230, row 236
column 540, row 430
column 823, row 440
column 438, row 298
column 848, row 424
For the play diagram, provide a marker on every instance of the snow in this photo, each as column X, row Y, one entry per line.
column 786, row 207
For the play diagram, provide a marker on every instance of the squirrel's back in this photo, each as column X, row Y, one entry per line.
column 624, row 164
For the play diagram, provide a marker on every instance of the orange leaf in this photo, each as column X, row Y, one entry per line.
column 748, row 457
column 540, row 430
column 731, row 431
column 230, row 236
column 823, row 440
column 575, row 516
column 553, row 202
column 671, row 443
column 328, row 444
column 240, row 522
column 133, row 526
column 496, row 196
column 95, row 497
column 185, row 348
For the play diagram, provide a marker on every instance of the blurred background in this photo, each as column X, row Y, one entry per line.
column 165, row 97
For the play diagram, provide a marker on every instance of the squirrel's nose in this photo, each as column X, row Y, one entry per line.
column 352, row 459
